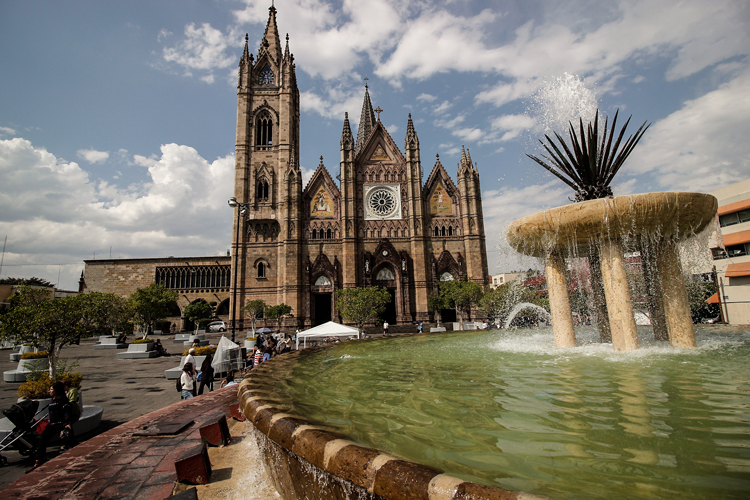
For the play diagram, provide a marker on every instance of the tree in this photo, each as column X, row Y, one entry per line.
column 150, row 304
column 435, row 303
column 51, row 324
column 698, row 292
column 278, row 313
column 197, row 311
column 255, row 309
column 461, row 296
column 362, row 305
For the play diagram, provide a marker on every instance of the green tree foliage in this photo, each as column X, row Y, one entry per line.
column 278, row 313
column 461, row 296
column 362, row 305
column 150, row 304
column 26, row 281
column 197, row 311
column 435, row 303
column 255, row 309
column 51, row 324
column 698, row 292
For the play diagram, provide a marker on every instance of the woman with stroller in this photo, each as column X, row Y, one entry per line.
column 60, row 423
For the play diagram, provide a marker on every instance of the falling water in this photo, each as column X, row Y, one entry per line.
column 562, row 100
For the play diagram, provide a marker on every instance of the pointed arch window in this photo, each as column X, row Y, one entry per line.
column 261, row 270
column 328, row 234
column 266, row 76
column 264, row 130
column 450, row 230
column 262, row 194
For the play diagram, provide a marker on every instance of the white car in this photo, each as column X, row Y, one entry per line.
column 217, row 326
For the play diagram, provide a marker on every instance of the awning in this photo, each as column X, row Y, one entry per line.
column 713, row 299
column 736, row 238
column 738, row 270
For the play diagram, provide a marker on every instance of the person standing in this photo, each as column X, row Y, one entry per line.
column 419, row 327
column 207, row 375
column 385, row 328
column 190, row 358
column 187, row 381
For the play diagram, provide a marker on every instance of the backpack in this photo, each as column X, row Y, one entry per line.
column 178, row 383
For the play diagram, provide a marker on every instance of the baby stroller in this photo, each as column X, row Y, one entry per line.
column 24, row 416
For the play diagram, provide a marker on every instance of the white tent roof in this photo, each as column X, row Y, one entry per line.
column 329, row 329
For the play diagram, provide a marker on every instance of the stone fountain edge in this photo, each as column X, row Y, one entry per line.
column 311, row 461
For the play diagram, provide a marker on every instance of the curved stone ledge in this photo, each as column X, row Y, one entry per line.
column 310, row 461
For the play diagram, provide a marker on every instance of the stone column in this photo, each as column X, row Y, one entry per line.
column 676, row 305
column 619, row 304
column 559, row 301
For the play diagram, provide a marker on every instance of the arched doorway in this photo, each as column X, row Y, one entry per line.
column 322, row 300
column 386, row 277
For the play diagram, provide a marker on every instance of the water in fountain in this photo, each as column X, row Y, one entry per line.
column 508, row 409
column 520, row 307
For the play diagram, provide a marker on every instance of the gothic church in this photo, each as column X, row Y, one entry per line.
column 381, row 225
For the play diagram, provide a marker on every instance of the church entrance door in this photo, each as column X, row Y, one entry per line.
column 322, row 310
column 389, row 314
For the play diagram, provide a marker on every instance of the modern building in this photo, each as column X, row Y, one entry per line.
column 381, row 225
column 503, row 278
column 731, row 253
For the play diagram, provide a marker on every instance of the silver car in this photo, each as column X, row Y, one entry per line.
column 217, row 326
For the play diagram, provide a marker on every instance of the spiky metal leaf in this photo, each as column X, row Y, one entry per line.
column 589, row 164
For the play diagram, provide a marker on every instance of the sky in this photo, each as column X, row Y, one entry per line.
column 117, row 119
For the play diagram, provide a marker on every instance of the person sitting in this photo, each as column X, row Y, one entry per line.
column 196, row 342
column 60, row 418
column 229, row 381
column 159, row 348
column 122, row 338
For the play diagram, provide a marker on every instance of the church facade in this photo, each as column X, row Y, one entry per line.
column 381, row 225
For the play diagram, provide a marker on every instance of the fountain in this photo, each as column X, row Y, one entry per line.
column 509, row 412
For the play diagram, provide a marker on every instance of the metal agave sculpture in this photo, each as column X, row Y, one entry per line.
column 590, row 164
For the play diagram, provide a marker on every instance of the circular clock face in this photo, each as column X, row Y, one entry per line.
column 385, row 253
column 382, row 202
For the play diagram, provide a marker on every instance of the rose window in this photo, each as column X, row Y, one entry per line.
column 382, row 202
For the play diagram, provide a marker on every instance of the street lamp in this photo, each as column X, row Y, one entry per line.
column 241, row 210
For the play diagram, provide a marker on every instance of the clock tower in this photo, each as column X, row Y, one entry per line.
column 265, row 247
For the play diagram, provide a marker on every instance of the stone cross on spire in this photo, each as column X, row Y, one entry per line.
column 378, row 111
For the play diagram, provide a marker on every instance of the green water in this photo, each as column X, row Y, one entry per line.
column 507, row 409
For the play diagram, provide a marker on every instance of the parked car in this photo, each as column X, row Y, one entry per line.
column 217, row 326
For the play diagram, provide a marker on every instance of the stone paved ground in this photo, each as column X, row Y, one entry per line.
column 125, row 388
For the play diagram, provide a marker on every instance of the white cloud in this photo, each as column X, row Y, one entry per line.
column 54, row 214
column 7, row 131
column 426, row 97
column 203, row 49
column 702, row 146
column 512, row 125
column 93, row 156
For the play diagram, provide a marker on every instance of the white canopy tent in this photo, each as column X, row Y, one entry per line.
column 329, row 329
column 227, row 357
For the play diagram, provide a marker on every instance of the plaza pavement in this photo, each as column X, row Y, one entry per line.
column 124, row 388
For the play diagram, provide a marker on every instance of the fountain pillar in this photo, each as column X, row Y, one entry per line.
column 600, row 304
column 617, row 292
column 676, row 305
column 559, row 301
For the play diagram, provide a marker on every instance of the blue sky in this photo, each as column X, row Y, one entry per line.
column 117, row 119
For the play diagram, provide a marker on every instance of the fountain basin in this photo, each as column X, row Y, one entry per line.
column 507, row 411
column 572, row 229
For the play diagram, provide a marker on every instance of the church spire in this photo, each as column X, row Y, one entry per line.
column 271, row 43
column 347, row 139
column 366, row 121
column 411, row 141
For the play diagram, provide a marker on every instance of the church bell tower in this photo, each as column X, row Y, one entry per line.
column 267, row 181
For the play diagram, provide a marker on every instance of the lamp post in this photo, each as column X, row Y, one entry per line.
column 241, row 210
